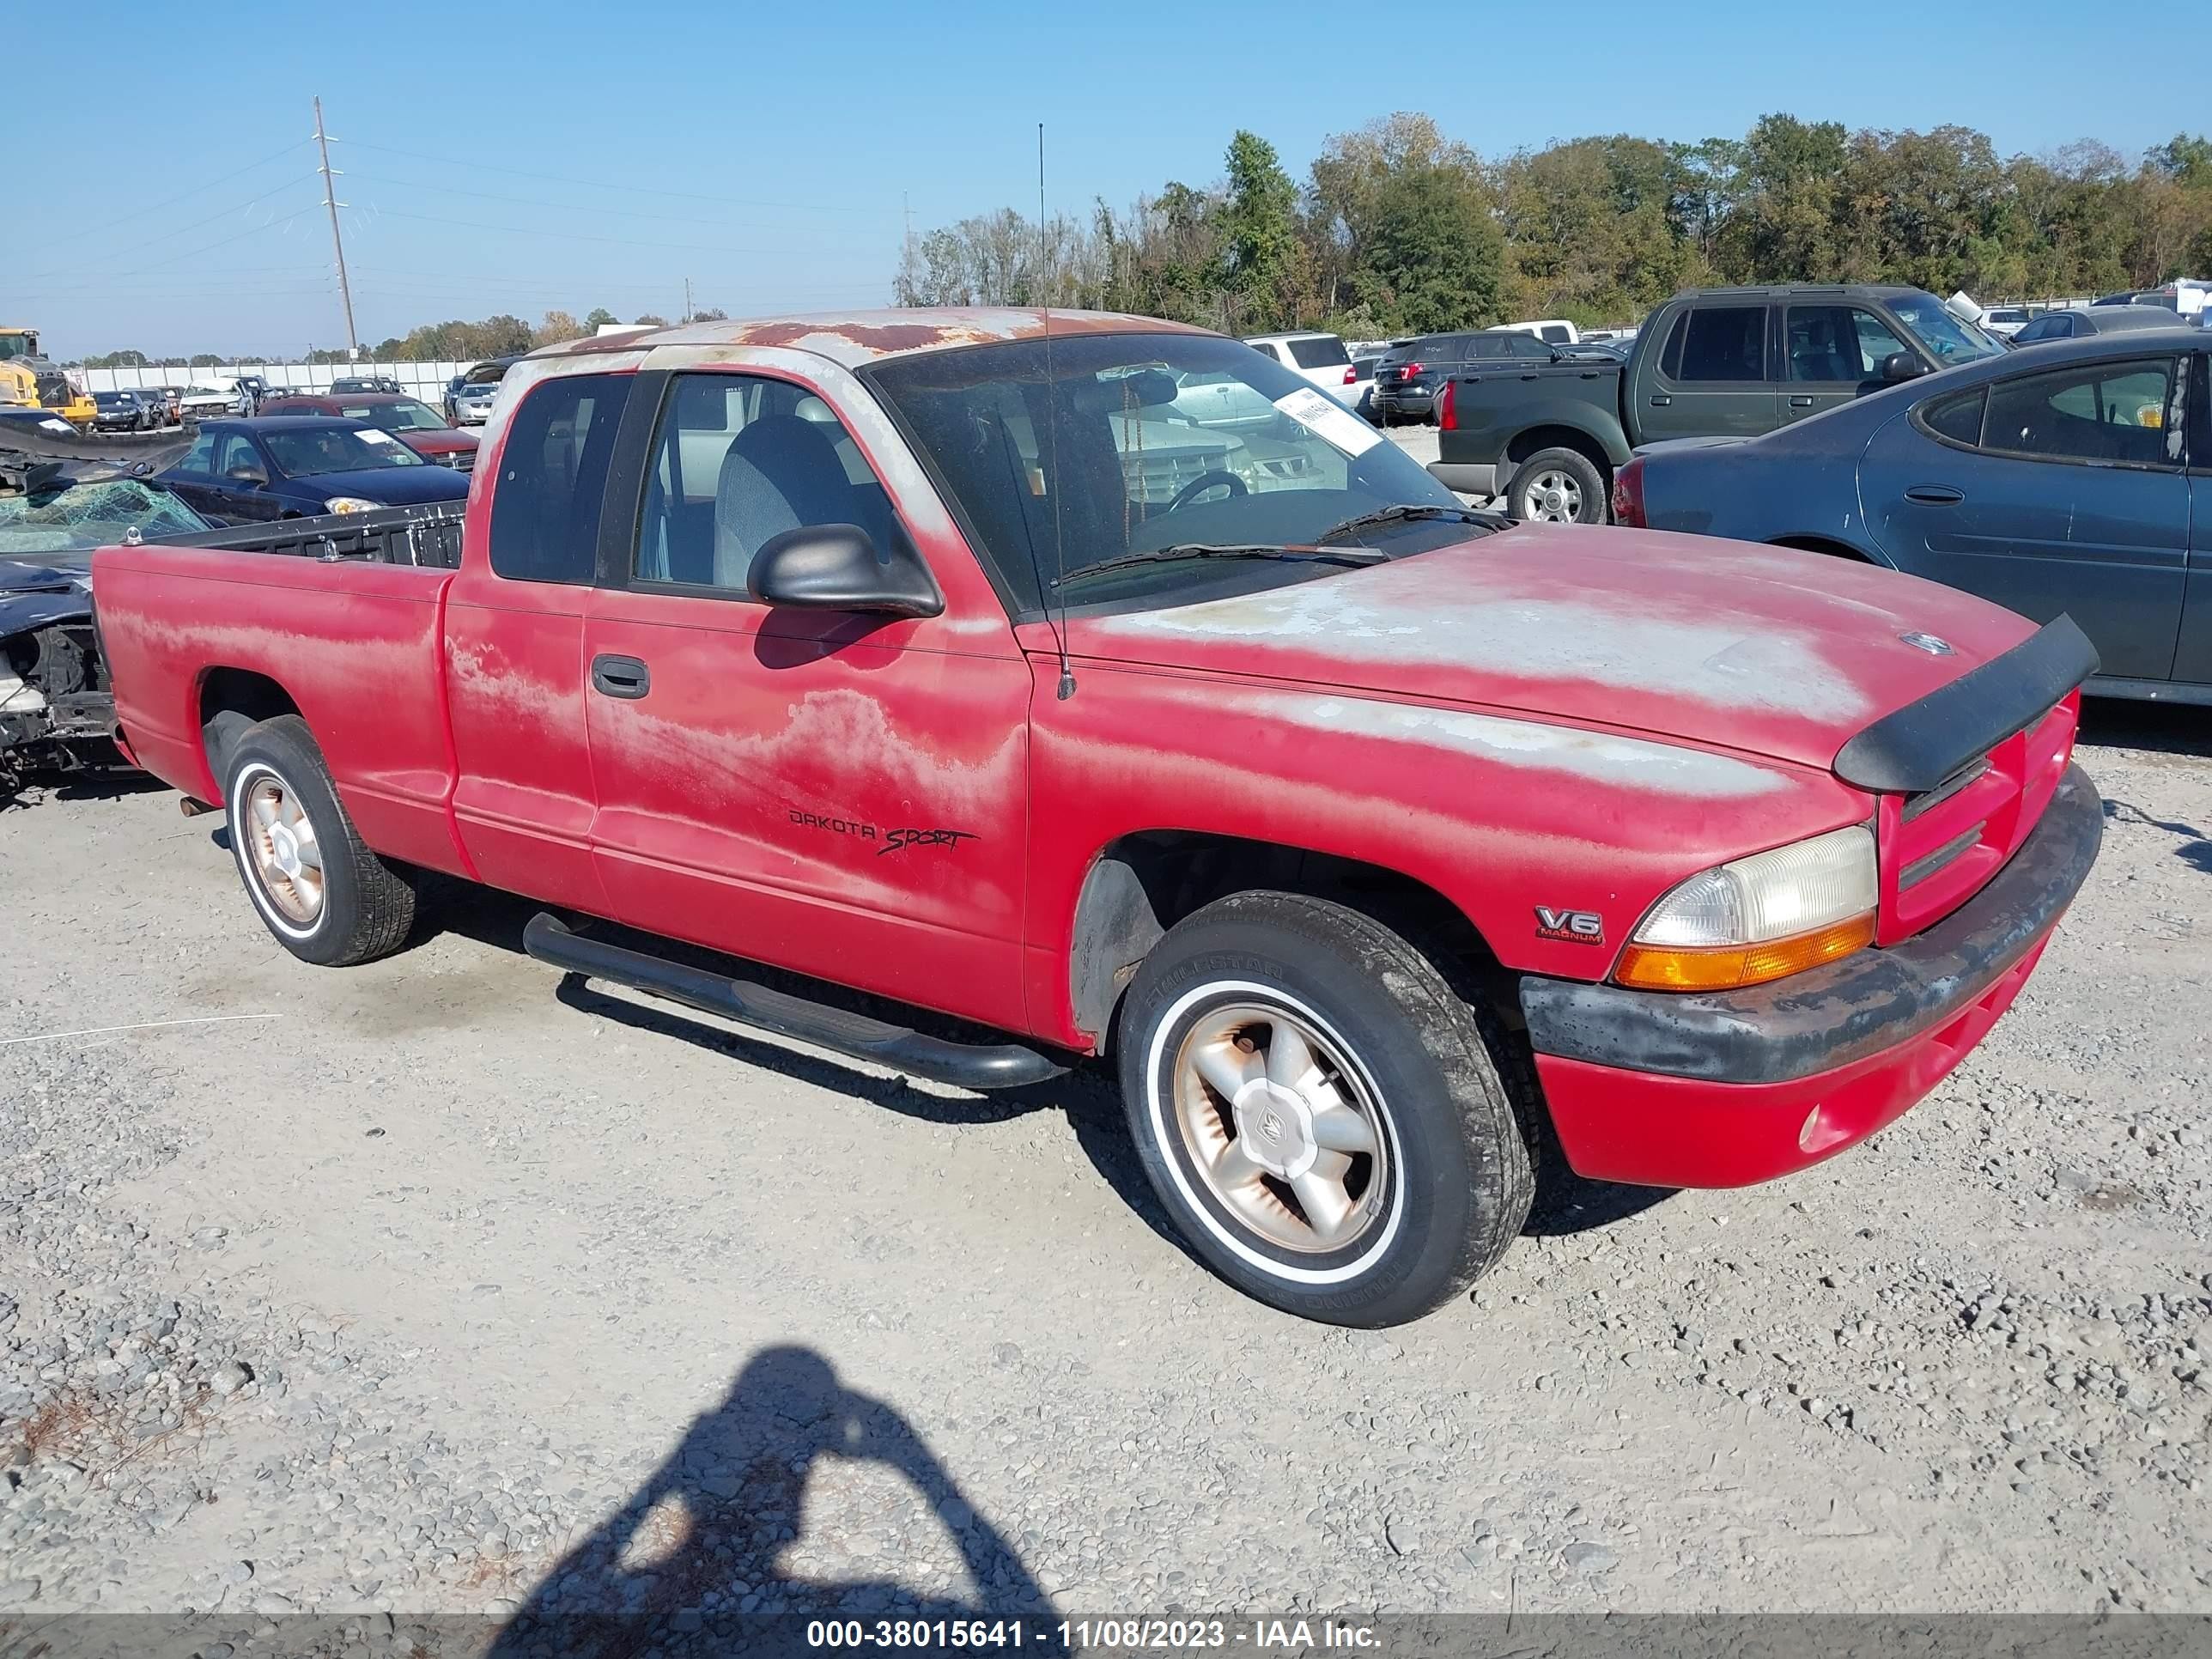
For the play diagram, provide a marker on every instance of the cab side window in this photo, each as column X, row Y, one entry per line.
column 553, row 477
column 738, row 459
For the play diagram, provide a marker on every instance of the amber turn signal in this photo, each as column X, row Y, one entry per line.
column 1731, row 967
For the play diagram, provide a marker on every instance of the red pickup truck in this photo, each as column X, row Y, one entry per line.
column 1096, row 681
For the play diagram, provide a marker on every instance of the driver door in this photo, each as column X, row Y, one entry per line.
column 239, row 488
column 838, row 793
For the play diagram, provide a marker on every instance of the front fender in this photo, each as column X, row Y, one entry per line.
column 1500, row 815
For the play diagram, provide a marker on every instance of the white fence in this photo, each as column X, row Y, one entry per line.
column 423, row 381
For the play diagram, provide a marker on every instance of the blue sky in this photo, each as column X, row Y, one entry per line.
column 517, row 157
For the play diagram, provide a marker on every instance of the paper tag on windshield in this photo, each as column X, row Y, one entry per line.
column 371, row 435
column 1329, row 419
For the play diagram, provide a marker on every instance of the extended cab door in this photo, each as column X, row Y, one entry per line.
column 838, row 793
column 1709, row 379
column 514, row 644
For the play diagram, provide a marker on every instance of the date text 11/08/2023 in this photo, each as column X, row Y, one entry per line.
column 1091, row 1634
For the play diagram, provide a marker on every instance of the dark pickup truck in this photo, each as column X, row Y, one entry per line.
column 1711, row 362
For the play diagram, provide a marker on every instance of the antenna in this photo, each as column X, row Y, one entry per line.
column 331, row 201
column 1051, row 437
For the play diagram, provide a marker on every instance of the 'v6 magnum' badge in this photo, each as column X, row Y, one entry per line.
column 1575, row 927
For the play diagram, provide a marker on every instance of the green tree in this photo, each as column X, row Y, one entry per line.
column 597, row 316
column 1259, row 232
column 1435, row 256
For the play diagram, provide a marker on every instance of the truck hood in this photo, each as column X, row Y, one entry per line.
column 1715, row 643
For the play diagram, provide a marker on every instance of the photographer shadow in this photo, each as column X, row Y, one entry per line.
column 694, row 1562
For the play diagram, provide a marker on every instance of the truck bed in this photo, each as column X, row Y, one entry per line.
column 345, row 613
column 428, row 536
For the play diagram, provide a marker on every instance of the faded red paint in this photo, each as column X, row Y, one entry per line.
column 1571, row 719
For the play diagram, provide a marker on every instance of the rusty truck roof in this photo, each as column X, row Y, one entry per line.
column 856, row 338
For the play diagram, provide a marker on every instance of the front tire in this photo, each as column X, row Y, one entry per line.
column 1557, row 486
column 327, row 898
column 1323, row 1115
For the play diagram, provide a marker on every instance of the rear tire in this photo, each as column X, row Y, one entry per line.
column 1557, row 486
column 327, row 898
column 1324, row 1116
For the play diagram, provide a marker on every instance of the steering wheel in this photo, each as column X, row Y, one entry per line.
column 1206, row 481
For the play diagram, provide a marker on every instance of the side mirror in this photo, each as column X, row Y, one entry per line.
column 247, row 474
column 1901, row 366
column 836, row 567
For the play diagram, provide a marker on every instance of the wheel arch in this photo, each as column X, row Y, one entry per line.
column 229, row 700
column 1142, row 883
column 1534, row 440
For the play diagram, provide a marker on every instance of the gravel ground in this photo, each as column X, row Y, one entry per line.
column 429, row 1286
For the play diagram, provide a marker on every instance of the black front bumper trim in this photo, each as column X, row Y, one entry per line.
column 1829, row 1017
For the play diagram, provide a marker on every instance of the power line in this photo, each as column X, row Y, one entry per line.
column 186, row 196
column 558, row 207
column 570, row 235
column 627, row 187
column 164, row 235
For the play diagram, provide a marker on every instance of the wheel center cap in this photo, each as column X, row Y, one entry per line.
column 284, row 847
column 1275, row 1125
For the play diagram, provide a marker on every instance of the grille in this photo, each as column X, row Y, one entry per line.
column 1155, row 476
column 1939, row 847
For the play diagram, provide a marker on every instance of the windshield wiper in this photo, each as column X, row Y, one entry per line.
column 1406, row 513
column 1180, row 550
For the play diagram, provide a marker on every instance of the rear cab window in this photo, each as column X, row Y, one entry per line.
column 553, row 478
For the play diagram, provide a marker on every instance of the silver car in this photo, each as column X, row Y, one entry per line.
column 473, row 399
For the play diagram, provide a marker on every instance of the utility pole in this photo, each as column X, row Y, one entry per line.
column 331, row 201
column 687, row 301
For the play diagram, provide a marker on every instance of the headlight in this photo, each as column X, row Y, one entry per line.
column 349, row 504
column 1758, row 918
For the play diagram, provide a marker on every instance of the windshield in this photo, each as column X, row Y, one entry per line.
column 1949, row 339
column 109, row 397
column 409, row 416
column 18, row 345
column 79, row 517
column 305, row 452
column 1139, row 442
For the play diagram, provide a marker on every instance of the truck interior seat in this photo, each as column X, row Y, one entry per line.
column 780, row 472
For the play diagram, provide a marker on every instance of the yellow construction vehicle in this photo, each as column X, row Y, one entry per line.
column 25, row 377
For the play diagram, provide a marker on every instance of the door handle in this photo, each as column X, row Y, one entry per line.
column 1801, row 402
column 1660, row 400
column 621, row 677
column 1934, row 495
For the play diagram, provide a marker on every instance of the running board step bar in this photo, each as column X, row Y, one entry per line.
column 965, row 1065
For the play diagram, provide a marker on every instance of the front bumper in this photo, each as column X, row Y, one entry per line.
column 1724, row 1090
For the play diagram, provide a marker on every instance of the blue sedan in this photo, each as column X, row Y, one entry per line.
column 290, row 467
column 2075, row 477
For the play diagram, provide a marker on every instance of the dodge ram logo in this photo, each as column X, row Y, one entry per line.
column 1929, row 642
column 1575, row 927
